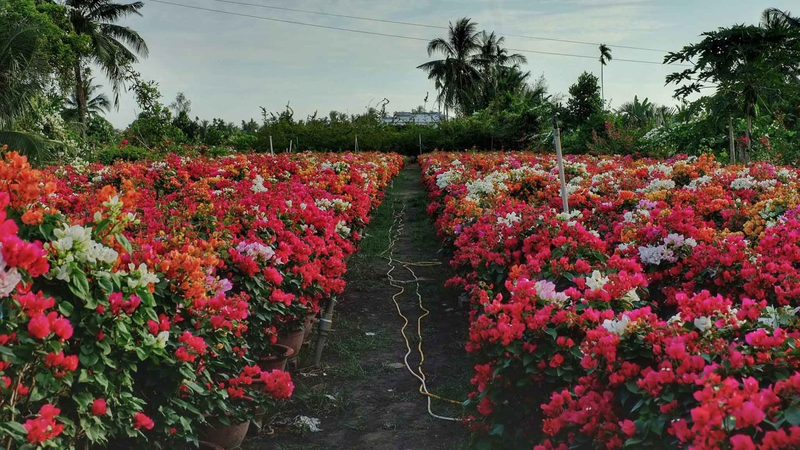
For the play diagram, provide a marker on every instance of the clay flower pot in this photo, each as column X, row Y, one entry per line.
column 224, row 436
column 293, row 340
column 278, row 360
column 308, row 325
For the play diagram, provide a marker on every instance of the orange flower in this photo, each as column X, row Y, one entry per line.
column 32, row 217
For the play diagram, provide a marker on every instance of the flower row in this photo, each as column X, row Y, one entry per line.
column 661, row 310
column 139, row 301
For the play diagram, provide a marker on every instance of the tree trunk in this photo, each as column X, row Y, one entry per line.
column 80, row 95
column 602, row 87
column 730, row 136
column 749, row 137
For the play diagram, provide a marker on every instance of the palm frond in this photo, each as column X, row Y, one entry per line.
column 127, row 36
column 112, row 12
column 36, row 148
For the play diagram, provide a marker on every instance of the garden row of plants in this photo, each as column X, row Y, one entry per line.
column 660, row 312
column 141, row 302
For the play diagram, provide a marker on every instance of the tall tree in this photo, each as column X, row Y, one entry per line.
column 22, row 77
column 605, row 57
column 112, row 47
column 499, row 70
column 457, row 74
column 96, row 104
column 584, row 100
column 749, row 66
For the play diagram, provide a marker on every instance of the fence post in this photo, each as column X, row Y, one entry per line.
column 324, row 329
column 420, row 143
column 557, row 141
column 356, row 148
column 271, row 152
column 290, row 145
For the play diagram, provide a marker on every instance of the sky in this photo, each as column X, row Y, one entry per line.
column 230, row 66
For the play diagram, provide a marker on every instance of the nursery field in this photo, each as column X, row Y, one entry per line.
column 157, row 303
column 659, row 312
column 142, row 302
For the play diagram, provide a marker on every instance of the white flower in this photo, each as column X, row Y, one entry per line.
column 658, row 185
column 596, row 281
column 746, row 182
column 258, row 184
column 631, row 296
column 703, row 323
column 546, row 290
column 342, row 229
column 509, row 219
column 161, row 339
column 8, row 279
column 618, row 327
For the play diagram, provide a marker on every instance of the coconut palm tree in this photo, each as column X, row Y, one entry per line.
column 22, row 77
column 457, row 74
column 96, row 104
column 499, row 69
column 492, row 53
column 112, row 47
column 775, row 18
column 605, row 57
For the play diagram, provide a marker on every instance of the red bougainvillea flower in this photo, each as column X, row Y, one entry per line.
column 99, row 407
column 140, row 420
column 278, row 384
column 44, row 427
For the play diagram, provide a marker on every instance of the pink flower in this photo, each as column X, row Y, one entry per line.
column 39, row 326
column 742, row 442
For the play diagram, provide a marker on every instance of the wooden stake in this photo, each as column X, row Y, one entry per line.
column 557, row 141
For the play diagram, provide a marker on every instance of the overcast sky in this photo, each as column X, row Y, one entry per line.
column 229, row 66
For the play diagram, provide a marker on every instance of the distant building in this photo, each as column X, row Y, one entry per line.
column 427, row 119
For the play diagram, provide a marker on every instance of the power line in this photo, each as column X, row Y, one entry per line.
column 293, row 22
column 375, row 33
column 422, row 25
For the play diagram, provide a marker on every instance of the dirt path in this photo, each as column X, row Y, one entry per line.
column 363, row 396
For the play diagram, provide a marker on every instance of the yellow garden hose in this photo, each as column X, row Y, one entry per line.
column 395, row 231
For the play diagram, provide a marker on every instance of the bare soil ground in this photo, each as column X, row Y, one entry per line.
column 362, row 395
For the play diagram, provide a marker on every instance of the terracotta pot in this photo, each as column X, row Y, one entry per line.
column 308, row 325
column 277, row 361
column 225, row 436
column 293, row 340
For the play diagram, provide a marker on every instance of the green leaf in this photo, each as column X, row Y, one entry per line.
column 88, row 360
column 15, row 428
column 497, row 430
column 80, row 287
column 105, row 284
column 141, row 353
column 792, row 415
column 123, row 241
column 83, row 399
column 66, row 308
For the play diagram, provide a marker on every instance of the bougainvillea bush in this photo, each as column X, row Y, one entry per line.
column 137, row 298
column 660, row 312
